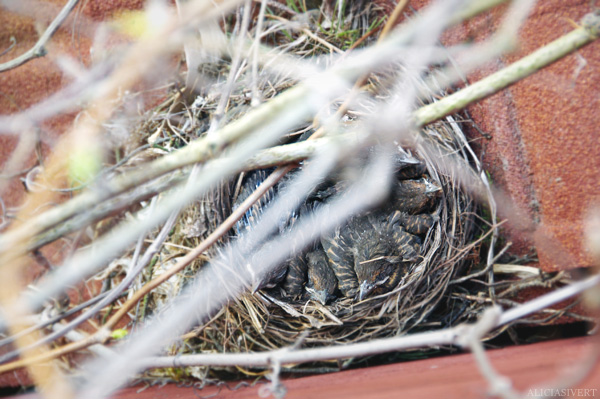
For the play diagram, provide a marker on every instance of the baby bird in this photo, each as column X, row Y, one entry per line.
column 381, row 255
column 414, row 224
column 271, row 277
column 338, row 248
column 321, row 279
column 251, row 181
column 414, row 196
column 296, row 276
column 411, row 171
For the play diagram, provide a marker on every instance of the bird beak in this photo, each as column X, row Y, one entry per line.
column 365, row 290
column 320, row 296
column 255, row 287
column 431, row 187
column 407, row 159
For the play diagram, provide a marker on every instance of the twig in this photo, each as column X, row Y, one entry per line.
column 391, row 22
column 49, row 321
column 203, row 149
column 196, row 152
column 211, row 239
column 375, row 193
column 137, row 268
column 39, row 49
column 13, row 43
column 235, row 64
column 81, row 136
column 363, row 78
column 428, row 339
column 489, row 266
column 471, row 339
column 204, row 245
column 511, row 74
column 256, row 96
column 548, row 300
column 104, row 333
column 109, row 207
column 576, row 374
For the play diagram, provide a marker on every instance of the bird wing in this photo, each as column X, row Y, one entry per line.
column 338, row 250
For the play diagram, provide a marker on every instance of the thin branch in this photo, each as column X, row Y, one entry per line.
column 526, row 66
column 49, row 321
column 39, row 49
column 548, row 300
column 393, row 19
column 104, row 333
column 471, row 339
column 13, row 43
column 235, row 64
column 203, row 149
column 203, row 246
column 278, row 174
column 109, row 207
column 256, row 95
column 459, row 335
column 405, row 337
column 138, row 267
column 81, row 136
column 196, row 152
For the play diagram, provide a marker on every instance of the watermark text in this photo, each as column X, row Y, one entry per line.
column 572, row 392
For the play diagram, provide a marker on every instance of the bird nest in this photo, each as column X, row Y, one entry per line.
column 411, row 245
column 423, row 245
column 383, row 271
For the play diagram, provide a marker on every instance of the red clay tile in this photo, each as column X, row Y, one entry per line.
column 36, row 80
column 543, row 153
column 448, row 377
column 528, row 367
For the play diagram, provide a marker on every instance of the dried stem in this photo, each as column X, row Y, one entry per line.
column 39, row 49
column 203, row 149
column 104, row 333
column 511, row 74
column 462, row 335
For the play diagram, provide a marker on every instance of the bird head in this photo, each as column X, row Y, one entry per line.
column 368, row 285
column 270, row 279
column 322, row 296
column 321, row 278
column 431, row 189
column 373, row 273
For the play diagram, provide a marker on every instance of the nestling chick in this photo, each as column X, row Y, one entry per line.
column 414, row 224
column 414, row 196
column 251, row 181
column 271, row 277
column 321, row 279
column 293, row 284
column 338, row 248
column 411, row 171
column 381, row 253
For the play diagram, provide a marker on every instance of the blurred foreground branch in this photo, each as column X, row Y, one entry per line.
column 206, row 148
column 460, row 335
column 39, row 49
